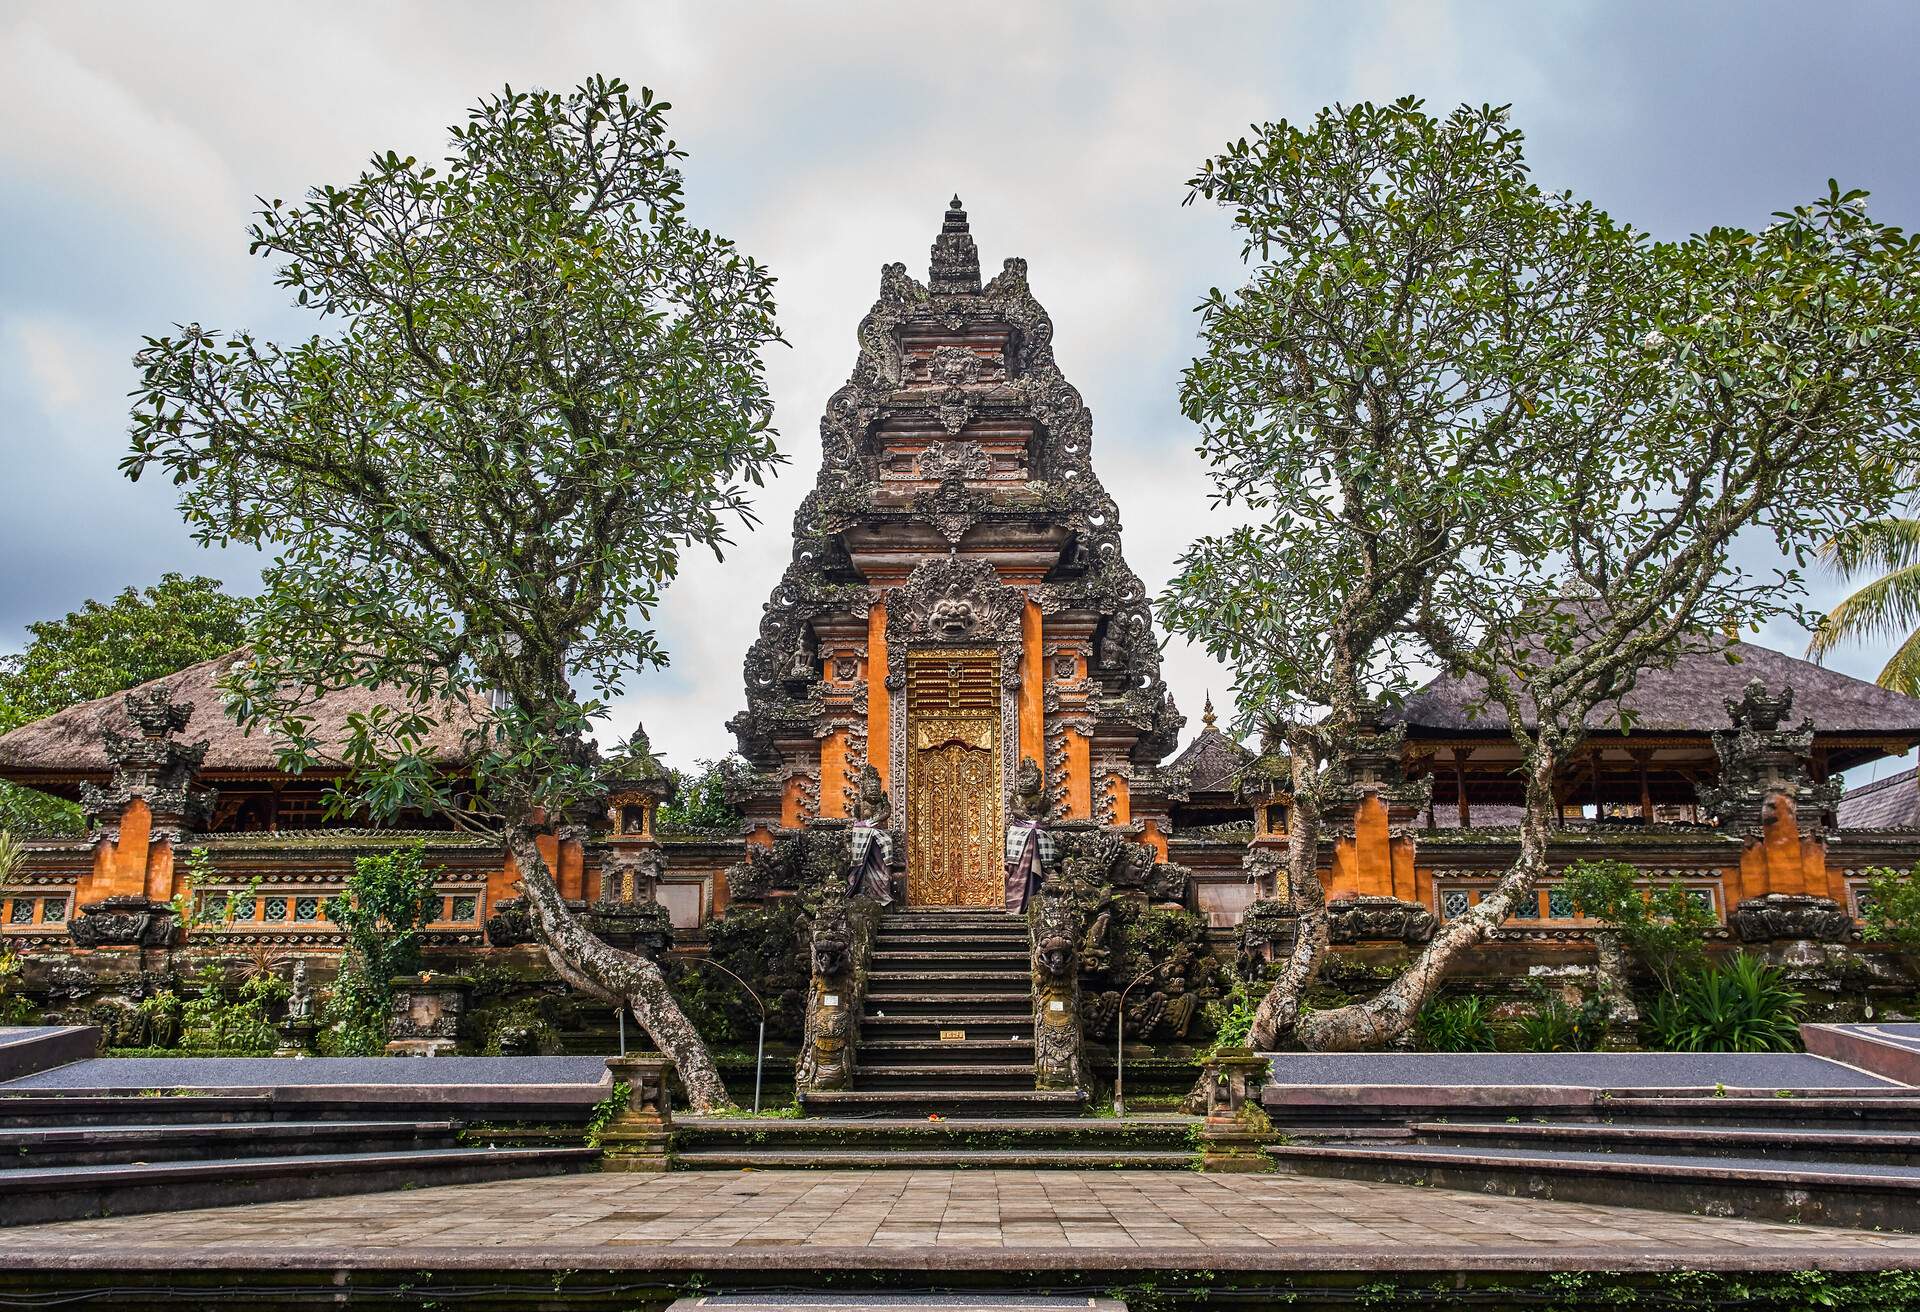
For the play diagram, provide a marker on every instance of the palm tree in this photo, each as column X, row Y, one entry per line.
column 1888, row 607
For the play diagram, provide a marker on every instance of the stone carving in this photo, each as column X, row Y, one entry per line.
column 124, row 921
column 1761, row 763
column 1054, row 933
column 299, row 993
column 154, row 767
column 643, row 928
column 842, row 943
column 956, row 600
column 1365, row 919
column 956, row 262
column 1778, row 916
column 955, row 366
column 423, row 1018
column 510, row 923
column 1030, row 801
column 1266, row 930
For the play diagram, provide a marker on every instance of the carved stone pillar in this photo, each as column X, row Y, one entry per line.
column 1767, row 797
column 1370, row 808
column 640, row 1136
column 138, row 822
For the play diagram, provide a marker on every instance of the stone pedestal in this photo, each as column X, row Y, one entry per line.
column 1791, row 916
column 123, row 921
column 1236, row 1132
column 640, row 1137
column 1369, row 919
column 425, row 1017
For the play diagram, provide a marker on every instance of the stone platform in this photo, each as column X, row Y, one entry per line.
column 1673, row 1071
column 1237, row 1241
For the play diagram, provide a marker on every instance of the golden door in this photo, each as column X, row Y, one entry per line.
column 954, row 838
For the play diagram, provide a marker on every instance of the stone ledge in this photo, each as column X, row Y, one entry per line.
column 1172, row 1261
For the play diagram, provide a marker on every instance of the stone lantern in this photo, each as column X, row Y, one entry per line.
column 1235, row 1133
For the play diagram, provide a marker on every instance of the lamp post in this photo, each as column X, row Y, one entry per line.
column 760, row 1049
column 1120, row 1042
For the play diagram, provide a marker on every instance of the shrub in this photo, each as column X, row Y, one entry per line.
column 1739, row 1005
column 1455, row 1025
column 1891, row 906
column 768, row 946
column 1231, row 1018
column 15, row 1007
column 212, row 1022
column 388, row 900
column 1665, row 928
column 1556, row 1027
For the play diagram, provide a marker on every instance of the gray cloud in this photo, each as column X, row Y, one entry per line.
column 826, row 138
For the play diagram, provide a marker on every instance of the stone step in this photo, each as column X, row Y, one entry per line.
column 980, row 981
column 1771, row 1143
column 1035, row 1159
column 1852, row 1194
column 921, row 1002
column 25, row 1110
column 934, row 1051
column 32, row 1196
column 943, row 1102
column 877, row 1134
column 959, row 940
column 1006, row 1025
column 915, row 959
column 99, row 1145
column 976, row 1075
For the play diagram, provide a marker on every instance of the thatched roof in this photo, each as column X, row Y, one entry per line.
column 1212, row 760
column 1688, row 697
column 1889, row 803
column 73, row 742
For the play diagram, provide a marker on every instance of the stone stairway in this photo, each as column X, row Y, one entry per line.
column 946, row 1027
column 1834, row 1158
column 68, row 1157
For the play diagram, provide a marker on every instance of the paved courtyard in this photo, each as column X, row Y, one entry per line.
column 892, row 1216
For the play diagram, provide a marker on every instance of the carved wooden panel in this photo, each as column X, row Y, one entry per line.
column 954, row 822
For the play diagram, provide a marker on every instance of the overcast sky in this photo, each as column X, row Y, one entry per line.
column 826, row 139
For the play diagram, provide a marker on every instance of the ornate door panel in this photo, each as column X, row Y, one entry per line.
column 954, row 824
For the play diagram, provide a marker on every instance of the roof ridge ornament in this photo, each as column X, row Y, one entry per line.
column 955, row 269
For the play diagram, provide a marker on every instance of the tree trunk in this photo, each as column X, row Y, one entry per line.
column 1279, row 1011
column 618, row 977
column 1390, row 1013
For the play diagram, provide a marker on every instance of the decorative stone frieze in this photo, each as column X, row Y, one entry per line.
column 1778, row 916
column 1762, row 762
column 124, row 921
column 1371, row 919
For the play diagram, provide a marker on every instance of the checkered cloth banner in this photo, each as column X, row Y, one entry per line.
column 1017, row 841
column 865, row 835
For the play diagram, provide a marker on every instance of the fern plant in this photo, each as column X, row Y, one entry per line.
column 1455, row 1025
column 1741, row 1004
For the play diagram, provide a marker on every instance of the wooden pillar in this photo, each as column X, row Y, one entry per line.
column 1033, row 686
column 833, row 774
column 879, row 706
column 1465, row 808
column 1640, row 758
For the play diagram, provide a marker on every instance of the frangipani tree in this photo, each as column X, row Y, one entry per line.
column 1731, row 388
column 1373, row 396
column 538, row 383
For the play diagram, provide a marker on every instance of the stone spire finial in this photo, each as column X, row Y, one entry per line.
column 1206, row 712
column 955, row 270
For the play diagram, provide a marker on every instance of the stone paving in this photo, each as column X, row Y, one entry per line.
column 597, row 1217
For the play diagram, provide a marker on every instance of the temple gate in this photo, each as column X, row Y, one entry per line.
column 954, row 787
